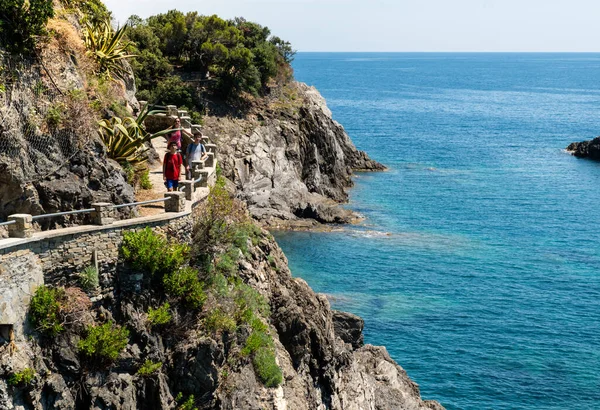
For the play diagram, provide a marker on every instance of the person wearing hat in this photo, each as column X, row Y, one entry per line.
column 194, row 152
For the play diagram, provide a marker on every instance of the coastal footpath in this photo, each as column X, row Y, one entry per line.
column 239, row 331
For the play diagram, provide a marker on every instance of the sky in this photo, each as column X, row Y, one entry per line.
column 404, row 25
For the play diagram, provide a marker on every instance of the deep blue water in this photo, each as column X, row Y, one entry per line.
column 478, row 264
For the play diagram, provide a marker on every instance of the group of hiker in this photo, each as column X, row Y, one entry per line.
column 173, row 160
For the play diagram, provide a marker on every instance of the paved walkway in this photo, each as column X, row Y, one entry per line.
column 158, row 187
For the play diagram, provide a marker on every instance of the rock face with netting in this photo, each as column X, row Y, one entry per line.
column 51, row 159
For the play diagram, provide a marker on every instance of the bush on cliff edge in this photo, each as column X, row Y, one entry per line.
column 45, row 308
column 22, row 22
column 146, row 250
column 104, row 342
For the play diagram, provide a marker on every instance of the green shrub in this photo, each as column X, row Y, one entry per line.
column 227, row 263
column 44, row 310
column 22, row 378
column 148, row 251
column 88, row 279
column 185, row 405
column 196, row 117
column 129, row 172
column 258, row 325
column 104, row 342
column 92, row 10
column 220, row 285
column 272, row 263
column 185, row 285
column 39, row 88
column 160, row 315
column 218, row 221
column 246, row 298
column 145, row 182
column 218, row 320
column 256, row 341
column 55, row 115
column 149, row 368
column 119, row 109
column 266, row 367
column 22, row 21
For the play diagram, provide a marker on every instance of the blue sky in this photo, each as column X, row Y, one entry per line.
column 405, row 25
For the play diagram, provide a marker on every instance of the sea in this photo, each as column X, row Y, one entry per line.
column 478, row 262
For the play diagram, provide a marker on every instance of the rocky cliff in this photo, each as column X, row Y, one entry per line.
column 51, row 159
column 288, row 158
column 586, row 149
column 320, row 352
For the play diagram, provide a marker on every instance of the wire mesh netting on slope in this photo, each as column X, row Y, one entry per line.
column 38, row 128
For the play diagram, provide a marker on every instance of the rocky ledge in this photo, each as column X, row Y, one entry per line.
column 586, row 149
column 289, row 160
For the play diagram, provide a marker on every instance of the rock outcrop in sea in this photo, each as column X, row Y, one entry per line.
column 289, row 160
column 586, row 149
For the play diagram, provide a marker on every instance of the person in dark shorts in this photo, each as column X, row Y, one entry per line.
column 172, row 167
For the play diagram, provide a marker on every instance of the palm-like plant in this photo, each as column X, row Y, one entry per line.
column 125, row 137
column 104, row 44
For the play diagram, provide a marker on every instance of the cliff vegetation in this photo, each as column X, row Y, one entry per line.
column 219, row 323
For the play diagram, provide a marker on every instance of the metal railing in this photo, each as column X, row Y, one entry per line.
column 79, row 211
column 151, row 201
column 85, row 211
column 196, row 181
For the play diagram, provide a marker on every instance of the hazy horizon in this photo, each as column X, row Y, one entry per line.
column 402, row 26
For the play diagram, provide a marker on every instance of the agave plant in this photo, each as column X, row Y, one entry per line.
column 125, row 137
column 104, row 44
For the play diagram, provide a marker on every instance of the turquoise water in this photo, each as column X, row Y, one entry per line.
column 478, row 264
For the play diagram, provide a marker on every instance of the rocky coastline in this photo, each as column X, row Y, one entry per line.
column 291, row 164
column 289, row 160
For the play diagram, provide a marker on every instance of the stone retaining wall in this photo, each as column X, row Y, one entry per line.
column 71, row 250
column 57, row 257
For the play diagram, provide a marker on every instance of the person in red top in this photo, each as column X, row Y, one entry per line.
column 172, row 167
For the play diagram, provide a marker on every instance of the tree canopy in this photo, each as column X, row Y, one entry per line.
column 230, row 56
